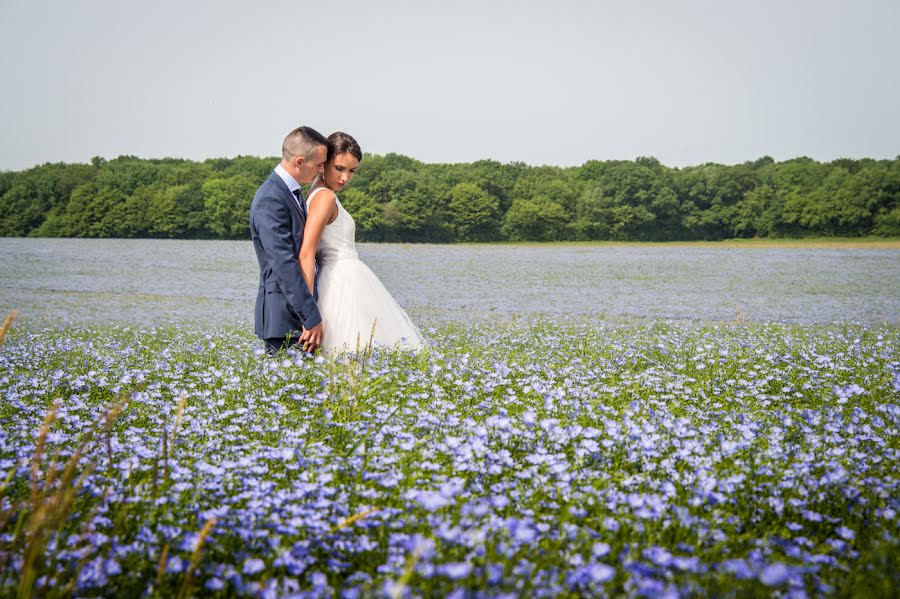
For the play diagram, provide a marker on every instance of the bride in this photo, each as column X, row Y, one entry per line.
column 352, row 300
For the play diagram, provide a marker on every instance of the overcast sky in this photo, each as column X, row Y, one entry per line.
column 558, row 82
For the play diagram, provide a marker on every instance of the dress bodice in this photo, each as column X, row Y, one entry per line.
column 338, row 240
column 357, row 309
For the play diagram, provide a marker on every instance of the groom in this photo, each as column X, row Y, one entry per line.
column 286, row 312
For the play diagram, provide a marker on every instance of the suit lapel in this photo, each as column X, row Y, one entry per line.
column 292, row 199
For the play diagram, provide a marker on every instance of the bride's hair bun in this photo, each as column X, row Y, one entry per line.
column 342, row 143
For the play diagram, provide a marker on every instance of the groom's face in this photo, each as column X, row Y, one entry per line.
column 311, row 166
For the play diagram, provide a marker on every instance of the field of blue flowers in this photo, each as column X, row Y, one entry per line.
column 655, row 459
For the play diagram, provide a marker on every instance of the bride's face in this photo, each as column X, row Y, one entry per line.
column 339, row 170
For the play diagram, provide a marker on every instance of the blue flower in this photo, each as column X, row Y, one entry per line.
column 112, row 568
column 455, row 570
column 590, row 574
column 846, row 533
column 430, row 500
column 253, row 566
column 774, row 574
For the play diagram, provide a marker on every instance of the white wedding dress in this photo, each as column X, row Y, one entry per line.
column 351, row 297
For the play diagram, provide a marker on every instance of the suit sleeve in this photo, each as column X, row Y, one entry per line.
column 274, row 230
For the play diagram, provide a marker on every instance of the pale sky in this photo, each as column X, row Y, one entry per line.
column 553, row 82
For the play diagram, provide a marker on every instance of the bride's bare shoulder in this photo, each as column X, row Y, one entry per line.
column 321, row 194
column 322, row 199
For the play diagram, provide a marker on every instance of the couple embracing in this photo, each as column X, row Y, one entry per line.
column 313, row 289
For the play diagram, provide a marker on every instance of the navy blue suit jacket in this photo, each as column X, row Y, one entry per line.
column 284, row 304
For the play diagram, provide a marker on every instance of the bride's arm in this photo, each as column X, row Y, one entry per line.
column 321, row 208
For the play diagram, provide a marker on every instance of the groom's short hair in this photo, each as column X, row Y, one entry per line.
column 301, row 142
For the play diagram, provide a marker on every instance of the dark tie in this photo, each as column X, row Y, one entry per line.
column 300, row 202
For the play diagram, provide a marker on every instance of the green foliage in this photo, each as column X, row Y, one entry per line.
column 537, row 219
column 254, row 168
column 93, row 211
column 397, row 198
column 32, row 194
column 366, row 213
column 547, row 182
column 176, row 212
column 887, row 223
column 227, row 204
column 474, row 212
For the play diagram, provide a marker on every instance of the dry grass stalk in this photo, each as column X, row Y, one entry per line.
column 6, row 515
column 7, row 323
column 49, row 419
column 179, row 414
column 411, row 561
column 350, row 520
column 161, row 565
column 331, row 377
column 165, row 451
column 68, row 589
column 54, row 504
column 108, row 421
column 195, row 558
column 51, row 501
column 155, row 478
column 370, row 344
column 9, row 477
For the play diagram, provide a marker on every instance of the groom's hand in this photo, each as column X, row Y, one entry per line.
column 311, row 338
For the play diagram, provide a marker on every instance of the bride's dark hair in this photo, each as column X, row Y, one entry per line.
column 342, row 143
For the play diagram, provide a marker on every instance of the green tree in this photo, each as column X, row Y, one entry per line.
column 7, row 178
column 887, row 223
column 795, row 181
column 413, row 207
column 758, row 214
column 591, row 220
column 366, row 213
column 227, row 205
column 474, row 213
column 92, row 211
column 886, row 203
column 254, row 168
column 135, row 212
column 176, row 212
column 397, row 198
column 629, row 190
column 709, row 196
column 548, row 182
column 127, row 173
column 32, row 195
column 374, row 168
column 535, row 219
column 496, row 179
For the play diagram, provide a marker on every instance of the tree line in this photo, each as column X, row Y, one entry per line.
column 397, row 198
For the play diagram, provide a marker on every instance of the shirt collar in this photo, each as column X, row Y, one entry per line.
column 291, row 183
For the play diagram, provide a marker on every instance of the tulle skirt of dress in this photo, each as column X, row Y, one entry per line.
column 351, row 300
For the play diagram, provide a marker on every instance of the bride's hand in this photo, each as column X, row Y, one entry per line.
column 311, row 338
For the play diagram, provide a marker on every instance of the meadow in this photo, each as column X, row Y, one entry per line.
column 528, row 454
column 208, row 283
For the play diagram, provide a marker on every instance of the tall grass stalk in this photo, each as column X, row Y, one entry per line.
column 196, row 556
column 7, row 323
column 52, row 497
